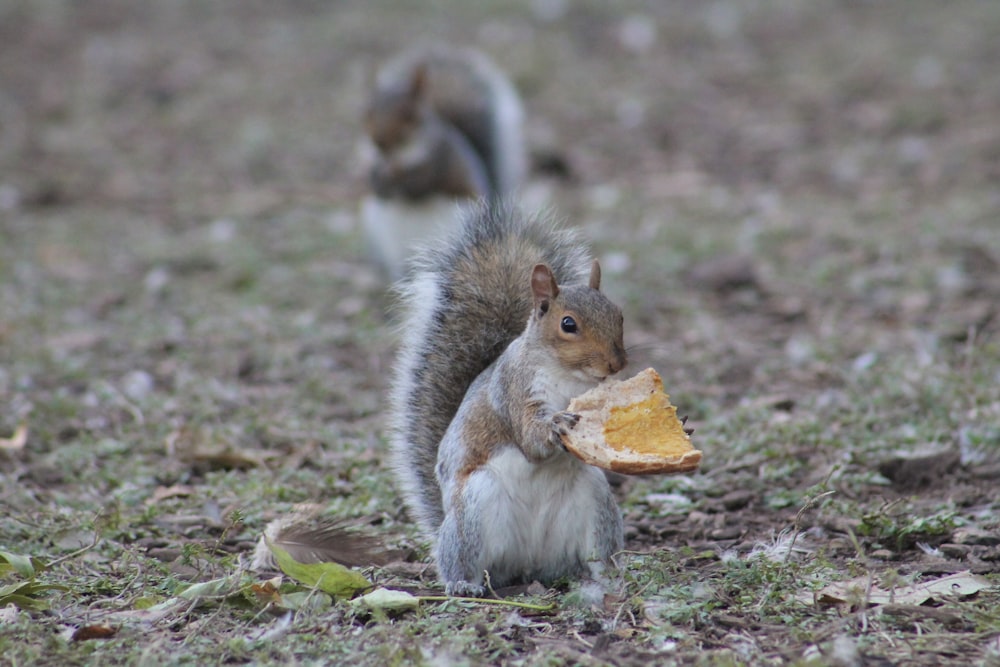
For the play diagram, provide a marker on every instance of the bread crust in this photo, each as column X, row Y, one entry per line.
column 588, row 440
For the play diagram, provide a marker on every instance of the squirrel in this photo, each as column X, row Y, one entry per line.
column 444, row 125
column 503, row 326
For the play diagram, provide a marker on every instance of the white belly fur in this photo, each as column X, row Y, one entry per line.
column 543, row 526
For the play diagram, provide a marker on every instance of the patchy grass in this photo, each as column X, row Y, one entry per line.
column 799, row 205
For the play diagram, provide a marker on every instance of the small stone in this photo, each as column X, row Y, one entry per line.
column 667, row 531
column 974, row 536
column 137, row 385
column 845, row 653
column 164, row 554
column 724, row 273
column 986, row 471
column 955, row 550
column 156, row 280
column 536, row 588
column 842, row 524
column 864, row 361
column 222, row 230
column 637, row 33
column 698, row 518
column 726, row 533
column 987, row 554
column 883, row 554
column 839, row 544
column 735, row 500
column 914, row 471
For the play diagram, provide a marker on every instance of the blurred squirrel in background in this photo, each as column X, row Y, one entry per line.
column 445, row 126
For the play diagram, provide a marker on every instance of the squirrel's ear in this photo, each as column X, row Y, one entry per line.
column 418, row 81
column 543, row 287
column 595, row 275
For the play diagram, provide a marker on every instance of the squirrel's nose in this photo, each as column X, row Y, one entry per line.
column 618, row 359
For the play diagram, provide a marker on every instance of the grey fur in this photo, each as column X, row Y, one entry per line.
column 464, row 303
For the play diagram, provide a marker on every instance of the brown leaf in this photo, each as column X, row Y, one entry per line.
column 229, row 459
column 267, row 592
column 724, row 273
column 912, row 612
column 164, row 492
column 202, row 447
column 844, row 592
column 94, row 632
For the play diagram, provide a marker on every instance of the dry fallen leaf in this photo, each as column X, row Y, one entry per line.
column 94, row 632
column 164, row 492
column 267, row 592
column 203, row 447
column 16, row 441
column 153, row 614
column 843, row 592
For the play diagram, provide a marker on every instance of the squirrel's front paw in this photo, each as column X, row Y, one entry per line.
column 463, row 589
column 562, row 424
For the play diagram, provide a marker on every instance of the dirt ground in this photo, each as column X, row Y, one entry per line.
column 797, row 205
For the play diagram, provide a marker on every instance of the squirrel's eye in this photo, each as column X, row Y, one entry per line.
column 568, row 324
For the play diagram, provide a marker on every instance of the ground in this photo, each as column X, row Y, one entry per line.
column 796, row 205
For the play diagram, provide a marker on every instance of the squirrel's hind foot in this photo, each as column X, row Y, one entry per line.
column 464, row 589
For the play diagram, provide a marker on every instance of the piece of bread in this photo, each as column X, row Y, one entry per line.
column 630, row 427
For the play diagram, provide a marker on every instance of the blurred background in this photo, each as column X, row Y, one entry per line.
column 797, row 204
column 852, row 147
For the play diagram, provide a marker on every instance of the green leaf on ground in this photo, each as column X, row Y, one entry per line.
column 24, row 595
column 383, row 601
column 26, row 566
column 332, row 578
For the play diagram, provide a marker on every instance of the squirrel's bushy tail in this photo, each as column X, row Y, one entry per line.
column 492, row 119
column 464, row 304
column 507, row 156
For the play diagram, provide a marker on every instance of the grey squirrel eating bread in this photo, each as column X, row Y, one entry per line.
column 505, row 323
